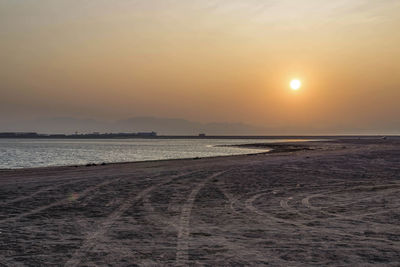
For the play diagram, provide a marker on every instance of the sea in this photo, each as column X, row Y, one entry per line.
column 29, row 153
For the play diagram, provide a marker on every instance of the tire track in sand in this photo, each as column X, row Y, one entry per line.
column 301, row 225
column 42, row 190
column 57, row 203
column 182, row 256
column 155, row 218
column 355, row 217
column 94, row 238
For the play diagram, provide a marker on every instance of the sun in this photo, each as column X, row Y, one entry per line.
column 295, row 84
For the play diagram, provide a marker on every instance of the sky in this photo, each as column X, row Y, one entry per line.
column 205, row 61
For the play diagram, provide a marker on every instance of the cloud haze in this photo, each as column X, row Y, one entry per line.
column 206, row 61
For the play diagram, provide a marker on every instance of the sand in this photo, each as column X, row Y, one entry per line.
column 326, row 203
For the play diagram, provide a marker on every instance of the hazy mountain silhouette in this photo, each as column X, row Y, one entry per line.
column 167, row 126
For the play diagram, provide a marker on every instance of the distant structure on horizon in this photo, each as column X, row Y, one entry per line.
column 76, row 135
column 202, row 135
column 147, row 134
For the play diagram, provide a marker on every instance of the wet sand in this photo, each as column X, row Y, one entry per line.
column 320, row 203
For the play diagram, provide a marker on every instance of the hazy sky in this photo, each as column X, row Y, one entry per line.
column 206, row 61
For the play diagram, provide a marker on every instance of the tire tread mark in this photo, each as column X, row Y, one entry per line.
column 301, row 226
column 57, row 203
column 182, row 246
column 93, row 238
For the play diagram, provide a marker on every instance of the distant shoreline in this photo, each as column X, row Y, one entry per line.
column 133, row 136
column 279, row 147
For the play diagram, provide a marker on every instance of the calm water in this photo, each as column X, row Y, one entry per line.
column 23, row 153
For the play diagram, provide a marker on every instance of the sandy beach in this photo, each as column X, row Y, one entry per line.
column 316, row 203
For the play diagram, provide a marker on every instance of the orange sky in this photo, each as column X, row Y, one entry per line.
column 227, row 61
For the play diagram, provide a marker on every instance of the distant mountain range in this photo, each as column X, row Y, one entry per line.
column 163, row 126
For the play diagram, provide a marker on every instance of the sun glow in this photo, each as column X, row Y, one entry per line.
column 295, row 84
